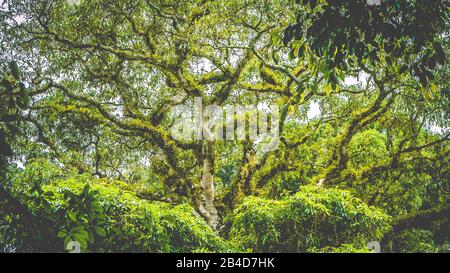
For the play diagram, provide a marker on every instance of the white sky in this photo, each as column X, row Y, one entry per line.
column 314, row 110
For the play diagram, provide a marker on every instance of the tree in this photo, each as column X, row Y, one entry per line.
column 100, row 79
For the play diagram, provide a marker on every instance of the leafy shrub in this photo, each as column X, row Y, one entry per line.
column 345, row 248
column 419, row 241
column 104, row 216
column 311, row 219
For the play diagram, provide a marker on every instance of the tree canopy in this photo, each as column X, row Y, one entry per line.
column 87, row 151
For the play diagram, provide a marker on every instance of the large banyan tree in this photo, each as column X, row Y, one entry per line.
column 88, row 152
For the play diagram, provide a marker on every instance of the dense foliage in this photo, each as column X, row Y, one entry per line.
column 87, row 151
column 312, row 218
column 106, row 216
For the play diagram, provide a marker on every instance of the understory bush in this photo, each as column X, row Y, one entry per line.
column 104, row 216
column 311, row 219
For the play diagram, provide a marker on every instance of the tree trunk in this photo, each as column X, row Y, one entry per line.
column 241, row 185
column 207, row 207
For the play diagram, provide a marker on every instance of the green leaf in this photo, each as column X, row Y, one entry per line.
column 49, row 194
column 14, row 69
column 72, row 216
column 80, row 233
column 328, row 89
column 100, row 231
column 62, row 233
column 24, row 96
column 7, row 85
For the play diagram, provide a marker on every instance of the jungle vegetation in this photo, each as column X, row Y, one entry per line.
column 86, row 154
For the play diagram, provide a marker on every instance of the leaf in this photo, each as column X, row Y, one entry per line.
column 49, row 194
column 100, row 231
column 72, row 216
column 14, row 70
column 85, row 190
column 276, row 37
column 296, row 45
column 433, row 88
column 328, row 88
column 62, row 233
column 7, row 85
column 24, row 96
column 80, row 233
column 403, row 69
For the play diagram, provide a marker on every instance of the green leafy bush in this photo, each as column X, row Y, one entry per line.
column 104, row 216
column 311, row 219
column 420, row 241
column 345, row 248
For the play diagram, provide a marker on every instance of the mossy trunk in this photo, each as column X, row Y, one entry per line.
column 207, row 207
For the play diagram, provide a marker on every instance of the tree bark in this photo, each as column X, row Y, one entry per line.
column 207, row 207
